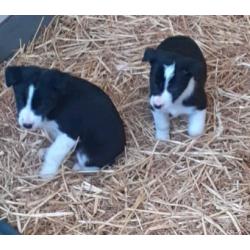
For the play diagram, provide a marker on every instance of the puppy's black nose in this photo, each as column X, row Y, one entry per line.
column 157, row 106
column 27, row 125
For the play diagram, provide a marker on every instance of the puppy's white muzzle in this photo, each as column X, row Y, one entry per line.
column 27, row 119
column 162, row 101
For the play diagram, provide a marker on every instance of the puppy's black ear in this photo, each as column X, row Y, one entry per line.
column 55, row 79
column 13, row 75
column 197, row 70
column 149, row 55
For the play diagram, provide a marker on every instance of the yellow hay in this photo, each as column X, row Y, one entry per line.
column 185, row 186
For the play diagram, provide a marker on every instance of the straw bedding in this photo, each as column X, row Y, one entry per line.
column 184, row 186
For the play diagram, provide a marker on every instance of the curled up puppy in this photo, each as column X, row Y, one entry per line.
column 74, row 112
column 177, row 81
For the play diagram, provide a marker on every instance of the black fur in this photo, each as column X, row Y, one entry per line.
column 81, row 110
column 189, row 62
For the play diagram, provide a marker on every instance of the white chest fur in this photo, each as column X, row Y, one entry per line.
column 177, row 109
column 51, row 127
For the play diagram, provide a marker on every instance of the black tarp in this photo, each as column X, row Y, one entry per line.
column 19, row 28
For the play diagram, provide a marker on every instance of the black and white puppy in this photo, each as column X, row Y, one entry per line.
column 73, row 111
column 177, row 80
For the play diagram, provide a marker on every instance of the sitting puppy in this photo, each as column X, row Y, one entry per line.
column 177, row 80
column 73, row 111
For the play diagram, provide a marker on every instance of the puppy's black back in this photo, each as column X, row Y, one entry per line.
column 84, row 111
column 182, row 45
column 79, row 108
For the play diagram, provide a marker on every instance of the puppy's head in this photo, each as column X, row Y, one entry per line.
column 172, row 76
column 36, row 91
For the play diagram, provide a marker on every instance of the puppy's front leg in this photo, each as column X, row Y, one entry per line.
column 161, row 121
column 55, row 155
column 196, row 123
column 42, row 153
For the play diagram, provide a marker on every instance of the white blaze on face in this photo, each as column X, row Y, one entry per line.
column 168, row 73
column 165, row 99
column 27, row 117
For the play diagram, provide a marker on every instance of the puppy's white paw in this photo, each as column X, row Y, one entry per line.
column 47, row 172
column 83, row 169
column 196, row 123
column 195, row 129
column 42, row 152
column 162, row 135
column 194, row 133
column 76, row 167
